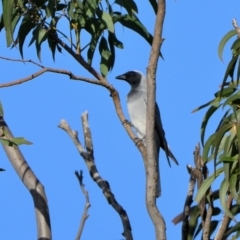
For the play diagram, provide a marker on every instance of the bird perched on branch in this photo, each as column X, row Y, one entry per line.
column 137, row 109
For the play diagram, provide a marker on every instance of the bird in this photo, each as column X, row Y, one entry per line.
column 137, row 110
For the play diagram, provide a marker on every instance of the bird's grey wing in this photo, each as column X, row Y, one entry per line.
column 161, row 134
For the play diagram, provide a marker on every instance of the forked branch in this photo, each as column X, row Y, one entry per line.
column 88, row 156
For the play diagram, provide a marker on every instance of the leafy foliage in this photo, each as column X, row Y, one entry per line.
column 223, row 146
column 97, row 18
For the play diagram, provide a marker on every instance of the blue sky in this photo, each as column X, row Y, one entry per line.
column 188, row 77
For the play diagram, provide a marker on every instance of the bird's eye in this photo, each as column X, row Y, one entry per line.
column 131, row 74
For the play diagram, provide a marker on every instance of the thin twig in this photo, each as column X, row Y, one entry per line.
column 88, row 156
column 86, row 207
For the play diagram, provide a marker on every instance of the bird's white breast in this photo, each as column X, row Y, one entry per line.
column 137, row 111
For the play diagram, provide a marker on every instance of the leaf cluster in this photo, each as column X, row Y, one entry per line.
column 98, row 18
column 223, row 146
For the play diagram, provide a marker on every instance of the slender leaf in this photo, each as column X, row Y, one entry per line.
column 207, row 147
column 207, row 116
column 42, row 36
column 26, row 26
column 105, row 56
column 229, row 72
column 1, row 110
column 222, row 194
column 107, row 19
column 154, row 5
column 7, row 18
column 214, row 101
column 231, row 99
column 224, row 41
column 206, row 184
column 1, row 23
column 129, row 5
column 232, row 185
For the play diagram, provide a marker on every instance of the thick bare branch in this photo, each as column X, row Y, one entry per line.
column 31, row 182
column 151, row 173
column 86, row 207
column 88, row 156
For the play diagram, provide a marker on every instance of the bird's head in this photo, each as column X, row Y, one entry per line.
column 136, row 79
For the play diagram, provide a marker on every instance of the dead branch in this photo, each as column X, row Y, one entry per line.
column 151, row 158
column 88, row 156
column 31, row 182
column 86, row 207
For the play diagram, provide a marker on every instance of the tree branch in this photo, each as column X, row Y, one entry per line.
column 30, row 181
column 188, row 202
column 86, row 207
column 88, row 156
column 151, row 172
column 225, row 221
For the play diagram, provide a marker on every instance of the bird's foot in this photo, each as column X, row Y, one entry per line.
column 127, row 122
column 137, row 141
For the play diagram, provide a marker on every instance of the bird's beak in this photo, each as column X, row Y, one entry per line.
column 121, row 77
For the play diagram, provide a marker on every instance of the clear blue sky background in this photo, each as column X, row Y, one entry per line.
column 187, row 78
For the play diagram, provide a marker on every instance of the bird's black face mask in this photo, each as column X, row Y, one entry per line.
column 132, row 77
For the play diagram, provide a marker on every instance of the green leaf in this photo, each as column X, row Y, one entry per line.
column 226, row 92
column 107, row 20
column 14, row 141
column 206, row 185
column 42, row 36
column 15, row 18
column 50, row 8
column 214, row 101
column 1, row 23
column 218, row 138
column 52, row 45
column 112, row 38
column 105, row 56
column 207, row 147
column 224, row 41
column 71, row 7
column 229, row 72
column 34, row 36
column 1, row 110
column 129, row 5
column 7, row 19
column 20, row 141
column 233, row 229
column 222, row 194
column 112, row 50
column 154, row 5
column 90, row 7
column 26, row 26
column 236, row 45
column 92, row 47
column 232, row 186
column 207, row 116
column 231, row 99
